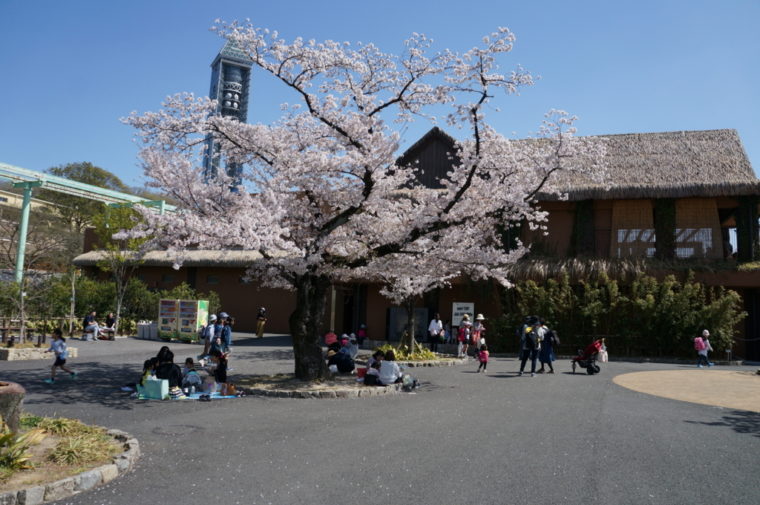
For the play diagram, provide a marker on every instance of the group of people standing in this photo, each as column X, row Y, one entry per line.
column 217, row 334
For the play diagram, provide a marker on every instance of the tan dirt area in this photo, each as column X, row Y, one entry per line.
column 721, row 388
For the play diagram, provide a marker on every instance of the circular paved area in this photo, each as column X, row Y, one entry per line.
column 722, row 388
column 462, row 438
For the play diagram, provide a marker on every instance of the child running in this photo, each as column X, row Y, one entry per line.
column 58, row 346
column 483, row 358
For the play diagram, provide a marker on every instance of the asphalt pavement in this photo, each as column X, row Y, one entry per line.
column 461, row 438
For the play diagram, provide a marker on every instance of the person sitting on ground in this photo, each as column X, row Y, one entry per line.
column 344, row 340
column 376, row 357
column 91, row 326
column 190, row 375
column 330, row 338
column 166, row 369
column 149, row 370
column 341, row 360
column 372, row 377
column 390, row 373
column 351, row 348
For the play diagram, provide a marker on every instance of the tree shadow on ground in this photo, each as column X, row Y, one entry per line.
column 252, row 355
column 270, row 341
column 741, row 421
column 97, row 383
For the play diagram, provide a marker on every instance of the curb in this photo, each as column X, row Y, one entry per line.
column 359, row 392
column 438, row 362
column 85, row 481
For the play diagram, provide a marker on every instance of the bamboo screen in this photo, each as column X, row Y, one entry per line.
column 632, row 229
column 698, row 228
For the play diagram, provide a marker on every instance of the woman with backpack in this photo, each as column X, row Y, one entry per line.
column 530, row 344
column 702, row 346
column 546, row 354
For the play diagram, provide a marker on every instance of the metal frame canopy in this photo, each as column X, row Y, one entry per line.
column 29, row 179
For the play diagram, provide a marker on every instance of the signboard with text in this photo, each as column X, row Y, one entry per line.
column 459, row 309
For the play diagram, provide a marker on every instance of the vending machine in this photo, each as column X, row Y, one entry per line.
column 193, row 315
column 168, row 316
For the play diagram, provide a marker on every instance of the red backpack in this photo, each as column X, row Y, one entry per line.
column 699, row 344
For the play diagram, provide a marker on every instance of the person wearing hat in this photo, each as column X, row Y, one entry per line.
column 463, row 336
column 261, row 320
column 208, row 335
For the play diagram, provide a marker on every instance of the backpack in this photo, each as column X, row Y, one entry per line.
column 699, row 344
column 531, row 338
column 551, row 335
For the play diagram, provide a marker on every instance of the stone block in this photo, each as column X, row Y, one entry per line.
column 109, row 472
column 31, row 496
column 122, row 463
column 327, row 394
column 8, row 498
column 60, row 489
column 88, row 480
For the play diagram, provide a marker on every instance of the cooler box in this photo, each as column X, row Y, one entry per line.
column 154, row 389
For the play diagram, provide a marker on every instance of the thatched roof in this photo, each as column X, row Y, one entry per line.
column 199, row 258
column 707, row 163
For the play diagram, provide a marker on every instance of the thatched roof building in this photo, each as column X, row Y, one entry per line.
column 708, row 163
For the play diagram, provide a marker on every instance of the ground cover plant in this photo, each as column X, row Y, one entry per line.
column 50, row 448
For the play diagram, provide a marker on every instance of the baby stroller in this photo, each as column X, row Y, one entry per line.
column 586, row 358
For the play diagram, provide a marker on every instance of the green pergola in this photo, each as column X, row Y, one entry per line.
column 29, row 179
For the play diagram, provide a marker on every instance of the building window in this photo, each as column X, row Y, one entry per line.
column 633, row 229
column 212, row 279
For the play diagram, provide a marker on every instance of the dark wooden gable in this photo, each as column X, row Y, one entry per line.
column 432, row 155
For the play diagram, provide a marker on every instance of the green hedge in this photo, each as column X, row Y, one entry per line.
column 645, row 317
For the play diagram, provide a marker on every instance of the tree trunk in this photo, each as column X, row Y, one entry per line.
column 306, row 324
column 408, row 338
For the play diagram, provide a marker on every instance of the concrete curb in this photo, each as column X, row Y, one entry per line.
column 357, row 392
column 85, row 481
column 354, row 392
column 437, row 362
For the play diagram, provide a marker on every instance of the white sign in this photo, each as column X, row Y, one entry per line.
column 459, row 309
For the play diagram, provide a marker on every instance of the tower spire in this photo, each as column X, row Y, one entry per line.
column 230, row 83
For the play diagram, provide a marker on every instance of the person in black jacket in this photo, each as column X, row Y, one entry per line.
column 167, row 369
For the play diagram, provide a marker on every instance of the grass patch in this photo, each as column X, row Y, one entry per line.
column 50, row 448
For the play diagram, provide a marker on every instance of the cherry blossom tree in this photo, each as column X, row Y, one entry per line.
column 324, row 197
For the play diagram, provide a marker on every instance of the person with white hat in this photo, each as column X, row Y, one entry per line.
column 463, row 336
column 478, row 333
column 208, row 334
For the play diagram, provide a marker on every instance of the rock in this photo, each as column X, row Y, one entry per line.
column 88, row 480
column 31, row 496
column 60, row 489
column 109, row 472
column 8, row 498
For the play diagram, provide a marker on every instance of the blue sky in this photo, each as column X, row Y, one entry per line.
column 71, row 69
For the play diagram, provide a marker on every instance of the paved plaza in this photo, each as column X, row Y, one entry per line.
column 461, row 438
